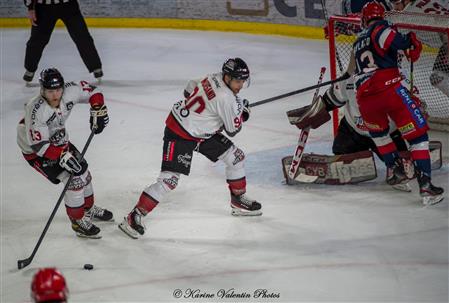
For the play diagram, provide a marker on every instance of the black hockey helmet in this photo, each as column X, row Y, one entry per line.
column 51, row 78
column 236, row 68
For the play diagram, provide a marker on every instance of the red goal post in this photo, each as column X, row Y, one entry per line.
column 432, row 30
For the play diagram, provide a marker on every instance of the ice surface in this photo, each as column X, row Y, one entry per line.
column 362, row 242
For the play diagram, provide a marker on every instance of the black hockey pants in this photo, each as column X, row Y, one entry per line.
column 70, row 14
column 349, row 141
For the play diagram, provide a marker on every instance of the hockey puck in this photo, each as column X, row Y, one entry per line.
column 88, row 266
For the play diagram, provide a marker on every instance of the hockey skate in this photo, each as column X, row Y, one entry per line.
column 132, row 224
column 396, row 174
column 242, row 205
column 430, row 194
column 85, row 229
column 28, row 77
column 98, row 74
column 97, row 213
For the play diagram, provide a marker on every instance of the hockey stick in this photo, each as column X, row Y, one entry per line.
column 299, row 151
column 299, row 91
column 25, row 262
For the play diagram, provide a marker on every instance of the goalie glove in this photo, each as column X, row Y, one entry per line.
column 313, row 115
column 246, row 110
column 69, row 163
column 98, row 118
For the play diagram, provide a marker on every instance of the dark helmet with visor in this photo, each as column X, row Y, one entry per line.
column 51, row 78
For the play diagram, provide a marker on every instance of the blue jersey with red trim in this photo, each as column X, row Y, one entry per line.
column 376, row 48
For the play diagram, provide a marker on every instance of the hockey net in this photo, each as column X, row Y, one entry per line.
column 432, row 30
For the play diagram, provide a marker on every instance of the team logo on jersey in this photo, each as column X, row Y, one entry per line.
column 69, row 106
column 59, row 137
column 185, row 160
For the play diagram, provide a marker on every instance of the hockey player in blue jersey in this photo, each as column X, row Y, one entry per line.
column 381, row 96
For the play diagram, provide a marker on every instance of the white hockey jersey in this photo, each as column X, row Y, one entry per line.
column 210, row 108
column 43, row 125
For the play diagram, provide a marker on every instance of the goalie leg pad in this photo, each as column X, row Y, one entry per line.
column 334, row 170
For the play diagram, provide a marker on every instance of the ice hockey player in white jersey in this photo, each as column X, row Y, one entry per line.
column 45, row 145
column 211, row 106
column 440, row 74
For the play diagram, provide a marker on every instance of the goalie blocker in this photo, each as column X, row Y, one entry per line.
column 346, row 169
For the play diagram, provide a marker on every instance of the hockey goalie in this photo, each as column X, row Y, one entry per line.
column 353, row 148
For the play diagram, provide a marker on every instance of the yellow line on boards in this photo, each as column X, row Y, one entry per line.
column 299, row 31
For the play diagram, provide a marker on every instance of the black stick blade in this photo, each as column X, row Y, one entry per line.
column 23, row 263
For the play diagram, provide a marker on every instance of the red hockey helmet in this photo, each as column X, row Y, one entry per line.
column 49, row 285
column 372, row 10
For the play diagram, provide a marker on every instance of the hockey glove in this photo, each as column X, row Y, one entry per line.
column 98, row 118
column 313, row 115
column 69, row 163
column 246, row 110
column 415, row 51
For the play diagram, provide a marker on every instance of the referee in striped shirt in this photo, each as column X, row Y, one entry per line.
column 43, row 15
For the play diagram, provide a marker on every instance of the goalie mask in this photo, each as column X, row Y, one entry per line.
column 49, row 285
column 236, row 68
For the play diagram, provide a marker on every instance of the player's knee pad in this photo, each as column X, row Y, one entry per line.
column 234, row 159
column 79, row 187
column 166, row 182
column 74, row 196
column 440, row 80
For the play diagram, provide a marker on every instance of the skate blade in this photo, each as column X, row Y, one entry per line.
column 97, row 236
column 245, row 213
column 402, row 187
column 432, row 200
column 128, row 230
